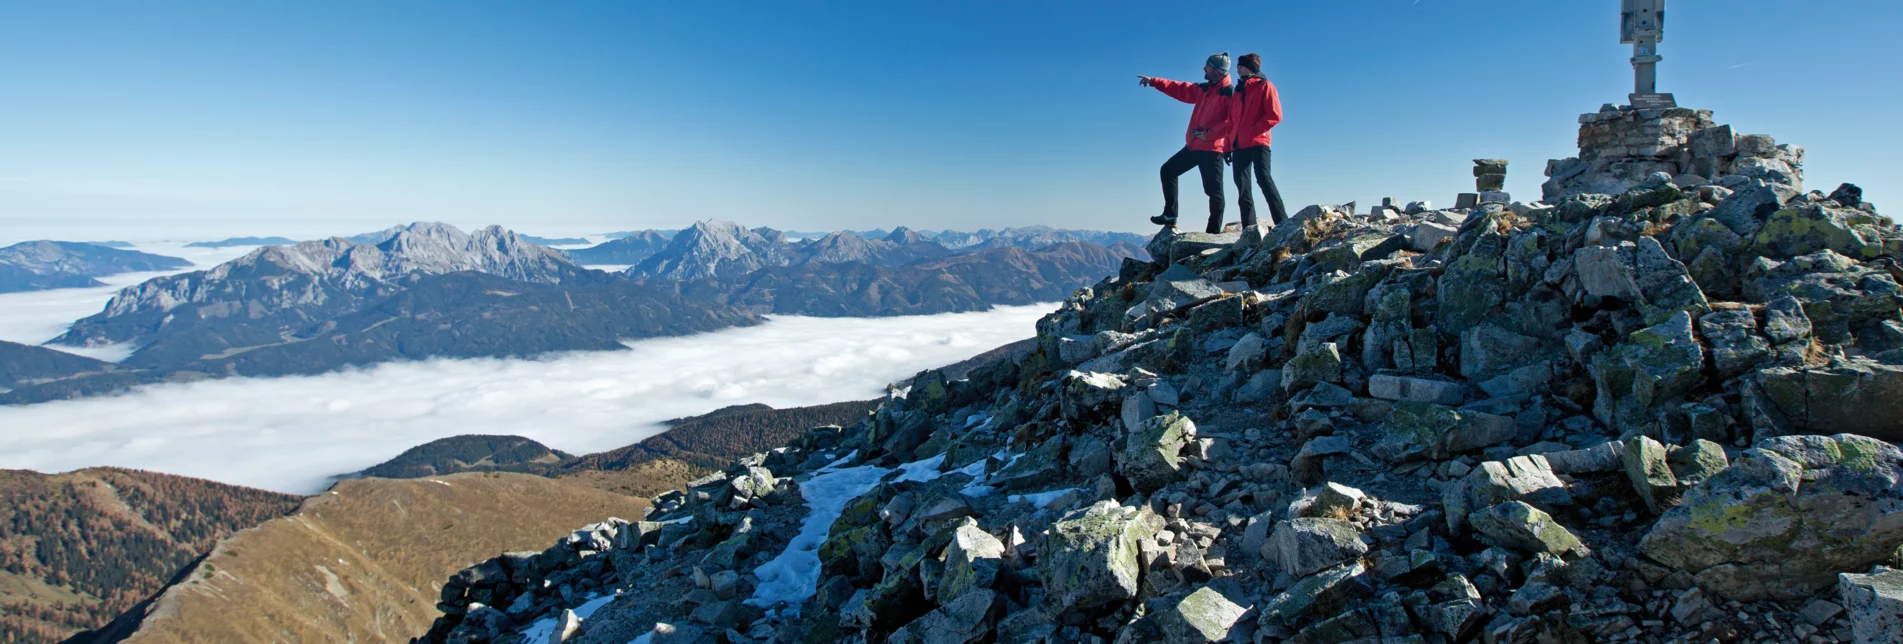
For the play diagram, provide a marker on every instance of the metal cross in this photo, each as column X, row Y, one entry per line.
column 1642, row 25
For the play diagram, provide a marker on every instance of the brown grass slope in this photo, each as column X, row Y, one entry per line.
column 366, row 560
column 79, row 548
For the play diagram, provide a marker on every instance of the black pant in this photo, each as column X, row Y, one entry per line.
column 1211, row 165
column 1258, row 158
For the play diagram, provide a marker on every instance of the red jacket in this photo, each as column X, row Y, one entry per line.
column 1211, row 114
column 1255, row 110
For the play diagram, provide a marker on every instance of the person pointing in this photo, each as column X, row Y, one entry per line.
column 1206, row 141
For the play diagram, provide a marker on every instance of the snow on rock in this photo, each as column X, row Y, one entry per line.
column 790, row 577
column 539, row 630
column 1041, row 499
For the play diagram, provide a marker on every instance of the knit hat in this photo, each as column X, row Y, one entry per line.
column 1219, row 61
column 1250, row 61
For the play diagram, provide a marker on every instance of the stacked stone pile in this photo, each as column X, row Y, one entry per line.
column 1661, row 413
column 1620, row 147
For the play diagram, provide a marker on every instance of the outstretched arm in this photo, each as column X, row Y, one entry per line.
column 1179, row 90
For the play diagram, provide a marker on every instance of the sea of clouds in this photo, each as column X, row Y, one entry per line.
column 293, row 434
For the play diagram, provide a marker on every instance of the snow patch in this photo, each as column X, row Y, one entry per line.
column 792, row 576
column 1041, row 499
column 542, row 628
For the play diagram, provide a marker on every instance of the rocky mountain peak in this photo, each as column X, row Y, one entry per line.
column 1612, row 417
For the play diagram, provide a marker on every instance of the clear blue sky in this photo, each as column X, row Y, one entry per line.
column 305, row 118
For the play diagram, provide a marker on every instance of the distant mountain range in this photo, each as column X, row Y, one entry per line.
column 243, row 241
column 40, row 265
column 430, row 290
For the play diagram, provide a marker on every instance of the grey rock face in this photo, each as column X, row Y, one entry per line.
column 1152, row 456
column 1789, row 515
column 971, row 562
column 1653, row 364
column 1866, row 395
column 1090, row 558
column 1202, row 616
column 1494, row 482
column 1875, row 605
column 1516, row 525
column 1305, row 545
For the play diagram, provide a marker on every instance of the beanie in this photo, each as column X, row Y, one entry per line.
column 1219, row 61
column 1251, row 62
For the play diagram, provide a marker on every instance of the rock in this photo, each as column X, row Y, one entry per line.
column 1786, row 517
column 1745, row 212
column 1439, row 392
column 1863, row 397
column 1247, row 353
column 1323, row 364
column 1177, row 287
column 565, row 627
column 1202, row 616
column 1641, row 274
column 1653, row 365
column 1429, row 235
column 1187, row 245
column 1519, row 526
column 1029, row 626
column 1089, row 561
column 1604, row 457
column 1323, row 593
column 726, row 614
column 968, row 618
column 1735, row 345
column 1651, row 477
column 1336, row 501
column 1527, row 478
column 755, row 482
column 1819, row 612
column 1305, row 545
column 1796, row 231
column 1694, row 463
column 1137, row 408
column 1437, row 431
column 1077, row 349
column 1308, row 461
column 1875, row 605
column 971, row 561
column 1151, row 457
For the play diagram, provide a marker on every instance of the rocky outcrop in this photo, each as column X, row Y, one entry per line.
column 1589, row 419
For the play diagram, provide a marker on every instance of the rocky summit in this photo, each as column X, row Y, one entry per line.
column 1656, row 407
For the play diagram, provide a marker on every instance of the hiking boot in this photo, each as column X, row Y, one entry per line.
column 1163, row 221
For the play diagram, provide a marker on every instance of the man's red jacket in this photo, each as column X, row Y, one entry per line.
column 1254, row 110
column 1212, row 101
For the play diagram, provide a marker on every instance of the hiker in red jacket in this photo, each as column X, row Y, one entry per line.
column 1207, row 140
column 1255, row 110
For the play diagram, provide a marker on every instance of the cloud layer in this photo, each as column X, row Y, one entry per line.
column 291, row 434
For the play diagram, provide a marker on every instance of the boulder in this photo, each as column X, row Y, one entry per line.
column 1177, row 287
column 971, row 561
column 1804, row 230
column 1655, row 364
column 1874, row 603
column 1522, row 527
column 1089, row 560
column 1088, row 394
column 1323, row 593
column 1204, row 616
column 1744, row 213
column 1416, row 428
column 1321, row 364
column 968, row 618
column 1736, row 346
column 1304, row 545
column 1247, row 353
column 1151, row 456
column 1528, row 478
column 1439, row 392
column 1860, row 396
column 1651, row 476
column 1643, row 274
column 1786, row 517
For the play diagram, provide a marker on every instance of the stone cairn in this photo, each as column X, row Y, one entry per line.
column 1621, row 147
column 1661, row 405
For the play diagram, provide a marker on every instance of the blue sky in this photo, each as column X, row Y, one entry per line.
column 311, row 118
